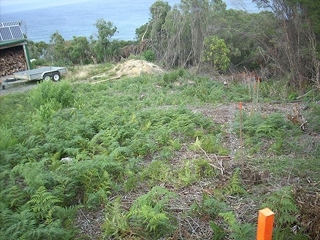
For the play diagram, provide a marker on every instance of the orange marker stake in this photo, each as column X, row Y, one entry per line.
column 241, row 142
column 240, row 105
column 265, row 224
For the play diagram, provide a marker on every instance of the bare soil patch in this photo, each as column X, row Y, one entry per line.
column 130, row 68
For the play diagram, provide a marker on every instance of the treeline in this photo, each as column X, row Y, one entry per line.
column 280, row 41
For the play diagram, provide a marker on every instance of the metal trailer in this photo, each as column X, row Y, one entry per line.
column 43, row 73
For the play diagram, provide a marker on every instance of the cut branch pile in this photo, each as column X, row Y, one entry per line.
column 12, row 60
column 134, row 49
column 308, row 202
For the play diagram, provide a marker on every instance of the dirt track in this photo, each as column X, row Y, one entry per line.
column 18, row 88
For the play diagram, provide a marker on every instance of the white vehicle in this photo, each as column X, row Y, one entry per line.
column 43, row 73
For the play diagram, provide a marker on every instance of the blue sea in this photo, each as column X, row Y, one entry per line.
column 41, row 18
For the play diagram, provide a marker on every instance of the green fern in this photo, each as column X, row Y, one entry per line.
column 150, row 212
column 90, row 179
column 203, row 169
column 14, row 196
column 237, row 230
column 44, row 204
column 116, row 222
column 218, row 232
column 186, row 174
column 209, row 207
column 283, row 205
column 21, row 225
column 51, row 92
column 7, row 138
column 157, row 171
column 34, row 174
column 234, row 186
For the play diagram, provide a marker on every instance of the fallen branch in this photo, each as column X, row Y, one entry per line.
column 211, row 164
column 312, row 90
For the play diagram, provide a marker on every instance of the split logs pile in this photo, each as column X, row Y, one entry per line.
column 12, row 60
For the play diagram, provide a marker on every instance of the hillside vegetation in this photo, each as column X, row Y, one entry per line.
column 281, row 41
column 164, row 156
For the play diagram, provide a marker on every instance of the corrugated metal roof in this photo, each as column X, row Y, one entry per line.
column 10, row 31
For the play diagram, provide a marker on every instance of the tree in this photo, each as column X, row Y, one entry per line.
column 38, row 51
column 310, row 10
column 79, row 50
column 105, row 32
column 158, row 12
column 143, row 32
column 216, row 53
column 58, row 49
column 175, row 49
column 296, row 48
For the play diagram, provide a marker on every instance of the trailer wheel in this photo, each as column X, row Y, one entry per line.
column 46, row 77
column 56, row 76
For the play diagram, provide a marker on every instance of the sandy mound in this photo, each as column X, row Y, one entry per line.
column 134, row 68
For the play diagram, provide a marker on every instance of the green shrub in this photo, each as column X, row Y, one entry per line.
column 149, row 55
column 276, row 89
column 47, row 92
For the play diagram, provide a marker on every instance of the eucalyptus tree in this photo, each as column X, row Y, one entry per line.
column 176, row 49
column 157, row 36
column 197, row 14
column 183, row 32
column 296, row 52
column 79, row 50
column 101, row 45
column 58, row 49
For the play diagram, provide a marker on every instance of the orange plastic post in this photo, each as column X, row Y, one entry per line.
column 265, row 224
column 241, row 143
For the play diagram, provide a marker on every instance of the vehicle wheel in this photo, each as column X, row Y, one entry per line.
column 56, row 77
column 46, row 77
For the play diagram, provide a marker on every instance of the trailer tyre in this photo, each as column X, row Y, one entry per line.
column 56, row 76
column 46, row 77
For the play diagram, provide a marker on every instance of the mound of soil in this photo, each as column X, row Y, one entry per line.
column 134, row 68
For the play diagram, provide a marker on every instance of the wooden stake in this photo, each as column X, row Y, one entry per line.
column 265, row 224
column 241, row 143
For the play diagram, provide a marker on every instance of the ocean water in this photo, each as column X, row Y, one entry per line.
column 77, row 17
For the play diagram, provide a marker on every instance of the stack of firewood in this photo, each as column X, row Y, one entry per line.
column 12, row 60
